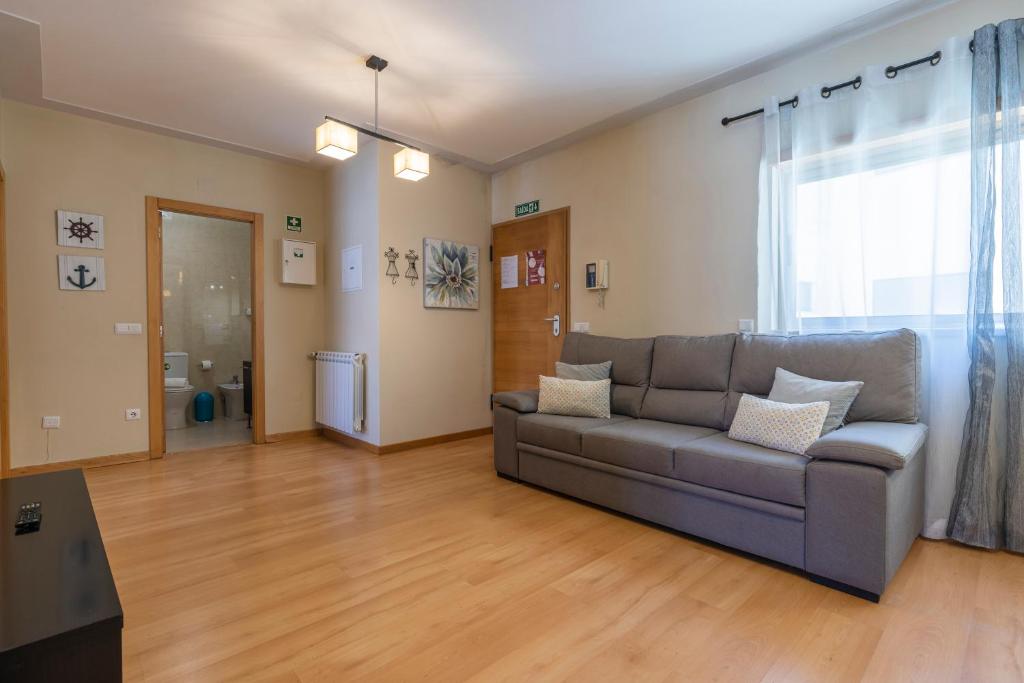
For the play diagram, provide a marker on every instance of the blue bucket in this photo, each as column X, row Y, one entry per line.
column 203, row 406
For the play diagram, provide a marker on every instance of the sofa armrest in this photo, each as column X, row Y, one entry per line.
column 889, row 445
column 519, row 401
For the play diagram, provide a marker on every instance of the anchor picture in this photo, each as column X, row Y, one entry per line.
column 82, row 284
column 77, row 229
column 81, row 273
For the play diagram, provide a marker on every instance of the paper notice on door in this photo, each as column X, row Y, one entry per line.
column 535, row 267
column 510, row 271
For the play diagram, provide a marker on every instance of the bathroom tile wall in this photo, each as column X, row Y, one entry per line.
column 206, row 294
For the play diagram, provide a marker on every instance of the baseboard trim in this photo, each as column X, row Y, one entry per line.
column 353, row 442
column 350, row 441
column 84, row 463
column 292, row 436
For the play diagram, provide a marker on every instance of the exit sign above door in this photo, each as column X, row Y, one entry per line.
column 527, row 208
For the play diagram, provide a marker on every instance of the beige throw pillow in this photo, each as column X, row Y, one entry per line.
column 575, row 397
column 790, row 427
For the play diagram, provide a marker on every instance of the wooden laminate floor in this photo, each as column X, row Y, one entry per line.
column 310, row 561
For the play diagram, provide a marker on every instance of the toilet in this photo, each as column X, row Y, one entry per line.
column 177, row 391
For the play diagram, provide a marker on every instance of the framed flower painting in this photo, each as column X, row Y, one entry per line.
column 451, row 277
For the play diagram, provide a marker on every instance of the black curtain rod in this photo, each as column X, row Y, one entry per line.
column 855, row 83
column 793, row 102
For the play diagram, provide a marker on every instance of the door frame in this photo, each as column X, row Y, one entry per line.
column 5, row 367
column 155, row 312
column 567, row 285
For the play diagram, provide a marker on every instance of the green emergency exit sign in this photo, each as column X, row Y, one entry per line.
column 293, row 223
column 527, row 208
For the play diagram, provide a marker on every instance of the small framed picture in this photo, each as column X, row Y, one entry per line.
column 77, row 229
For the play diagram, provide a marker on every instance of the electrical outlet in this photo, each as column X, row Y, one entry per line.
column 746, row 325
column 133, row 413
column 51, row 422
column 581, row 327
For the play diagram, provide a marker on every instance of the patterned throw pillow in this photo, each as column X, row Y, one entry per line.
column 790, row 427
column 591, row 373
column 575, row 397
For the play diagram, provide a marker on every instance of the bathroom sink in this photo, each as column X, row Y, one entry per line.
column 234, row 404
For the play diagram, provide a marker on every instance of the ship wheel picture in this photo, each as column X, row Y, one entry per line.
column 80, row 230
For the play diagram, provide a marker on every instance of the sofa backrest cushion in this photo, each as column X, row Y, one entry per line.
column 690, row 380
column 887, row 362
column 631, row 365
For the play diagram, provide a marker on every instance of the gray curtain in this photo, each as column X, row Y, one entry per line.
column 988, row 506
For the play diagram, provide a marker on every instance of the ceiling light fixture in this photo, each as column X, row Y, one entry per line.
column 337, row 139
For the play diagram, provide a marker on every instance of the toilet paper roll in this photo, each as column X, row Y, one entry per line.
column 206, row 364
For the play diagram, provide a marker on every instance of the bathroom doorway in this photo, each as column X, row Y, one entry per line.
column 205, row 284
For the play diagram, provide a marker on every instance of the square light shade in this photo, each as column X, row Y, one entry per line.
column 412, row 164
column 336, row 140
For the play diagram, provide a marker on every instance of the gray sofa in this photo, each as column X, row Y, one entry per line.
column 846, row 514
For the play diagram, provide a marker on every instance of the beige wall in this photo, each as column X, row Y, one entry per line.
column 65, row 358
column 436, row 375
column 671, row 200
column 207, row 297
column 428, row 370
column 353, row 318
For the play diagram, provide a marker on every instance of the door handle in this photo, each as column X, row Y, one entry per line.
column 556, row 324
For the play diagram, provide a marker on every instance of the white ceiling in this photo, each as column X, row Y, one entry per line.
column 484, row 81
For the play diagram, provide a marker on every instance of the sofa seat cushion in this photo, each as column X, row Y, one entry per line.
column 560, row 432
column 719, row 462
column 642, row 445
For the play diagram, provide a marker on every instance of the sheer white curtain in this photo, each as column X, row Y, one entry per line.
column 864, row 224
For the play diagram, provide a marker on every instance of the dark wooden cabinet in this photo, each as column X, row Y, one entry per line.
column 60, row 616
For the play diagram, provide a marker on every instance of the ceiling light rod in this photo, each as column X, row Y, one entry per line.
column 378, row 64
column 373, row 133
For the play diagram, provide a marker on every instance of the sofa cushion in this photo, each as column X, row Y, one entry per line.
column 574, row 397
column 701, row 408
column 887, row 362
column 560, row 432
column 642, row 445
column 790, row 387
column 699, row 363
column 790, row 427
column 588, row 373
column 689, row 380
column 631, row 365
column 721, row 463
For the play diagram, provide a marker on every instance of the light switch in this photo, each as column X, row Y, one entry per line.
column 127, row 328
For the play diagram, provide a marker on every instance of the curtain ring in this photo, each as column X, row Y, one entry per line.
column 891, row 71
column 796, row 101
column 857, row 83
column 826, row 92
column 936, row 58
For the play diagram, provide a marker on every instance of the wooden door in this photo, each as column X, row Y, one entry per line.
column 524, row 341
column 155, row 206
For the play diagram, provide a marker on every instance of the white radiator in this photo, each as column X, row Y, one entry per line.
column 339, row 390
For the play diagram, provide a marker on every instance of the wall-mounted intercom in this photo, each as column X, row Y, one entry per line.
column 597, row 279
column 597, row 275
